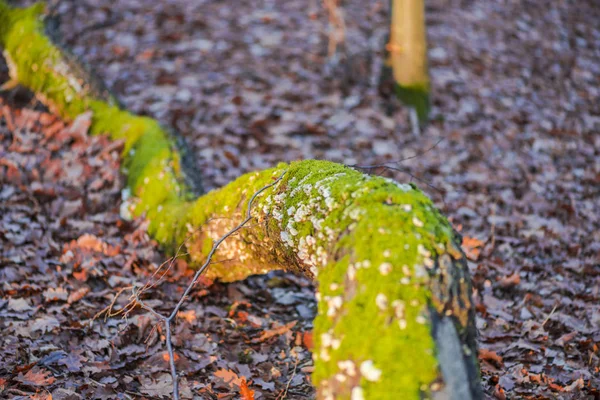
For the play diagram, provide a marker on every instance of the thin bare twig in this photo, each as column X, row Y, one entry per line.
column 419, row 154
column 395, row 166
column 283, row 394
column 167, row 320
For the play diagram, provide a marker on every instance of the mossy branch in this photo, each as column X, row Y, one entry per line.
column 395, row 316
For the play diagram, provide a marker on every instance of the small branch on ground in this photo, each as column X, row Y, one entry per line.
column 137, row 291
column 395, row 166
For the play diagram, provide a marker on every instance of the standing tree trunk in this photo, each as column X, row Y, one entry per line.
column 407, row 55
column 395, row 317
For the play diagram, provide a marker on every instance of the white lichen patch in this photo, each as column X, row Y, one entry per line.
column 301, row 213
column 402, row 186
column 400, row 313
column 285, row 238
column 307, row 189
column 336, row 343
column 351, row 272
column 428, row 262
column 326, row 339
column 277, row 214
column 333, row 305
column 423, row 251
column 279, row 198
column 317, row 223
column 357, row 393
column 420, row 272
column 385, row 268
column 347, row 367
column 381, row 301
column 354, row 213
column 369, row 371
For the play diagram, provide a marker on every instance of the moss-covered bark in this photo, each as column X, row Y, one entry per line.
column 395, row 318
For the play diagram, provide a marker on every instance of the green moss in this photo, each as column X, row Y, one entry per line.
column 150, row 161
column 417, row 97
column 368, row 239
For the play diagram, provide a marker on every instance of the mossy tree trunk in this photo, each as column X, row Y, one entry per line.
column 395, row 316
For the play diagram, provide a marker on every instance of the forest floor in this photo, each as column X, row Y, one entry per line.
column 512, row 156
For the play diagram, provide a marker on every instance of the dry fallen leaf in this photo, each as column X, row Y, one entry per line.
column 55, row 294
column 274, row 332
column 491, row 356
column 19, row 305
column 162, row 387
column 472, row 247
column 229, row 378
column 307, row 340
column 575, row 386
column 78, row 294
column 189, row 316
column 245, row 391
column 44, row 324
column 36, row 377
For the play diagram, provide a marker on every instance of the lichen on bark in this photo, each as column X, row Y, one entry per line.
column 390, row 272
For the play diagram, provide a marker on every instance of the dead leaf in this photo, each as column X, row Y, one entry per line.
column 491, row 356
column 274, row 332
column 90, row 242
column 45, row 324
column 55, row 294
column 509, row 281
column 162, row 387
column 80, row 125
column 229, row 378
column 36, row 377
column 245, row 391
column 575, row 386
column 18, row 305
column 307, row 340
column 189, row 316
column 78, row 295
column 564, row 339
column 472, row 247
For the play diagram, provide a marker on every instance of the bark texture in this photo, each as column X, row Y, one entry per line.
column 395, row 315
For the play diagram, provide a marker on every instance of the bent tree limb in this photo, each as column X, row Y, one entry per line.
column 395, row 317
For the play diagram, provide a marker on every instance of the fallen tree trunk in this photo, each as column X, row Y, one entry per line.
column 395, row 317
